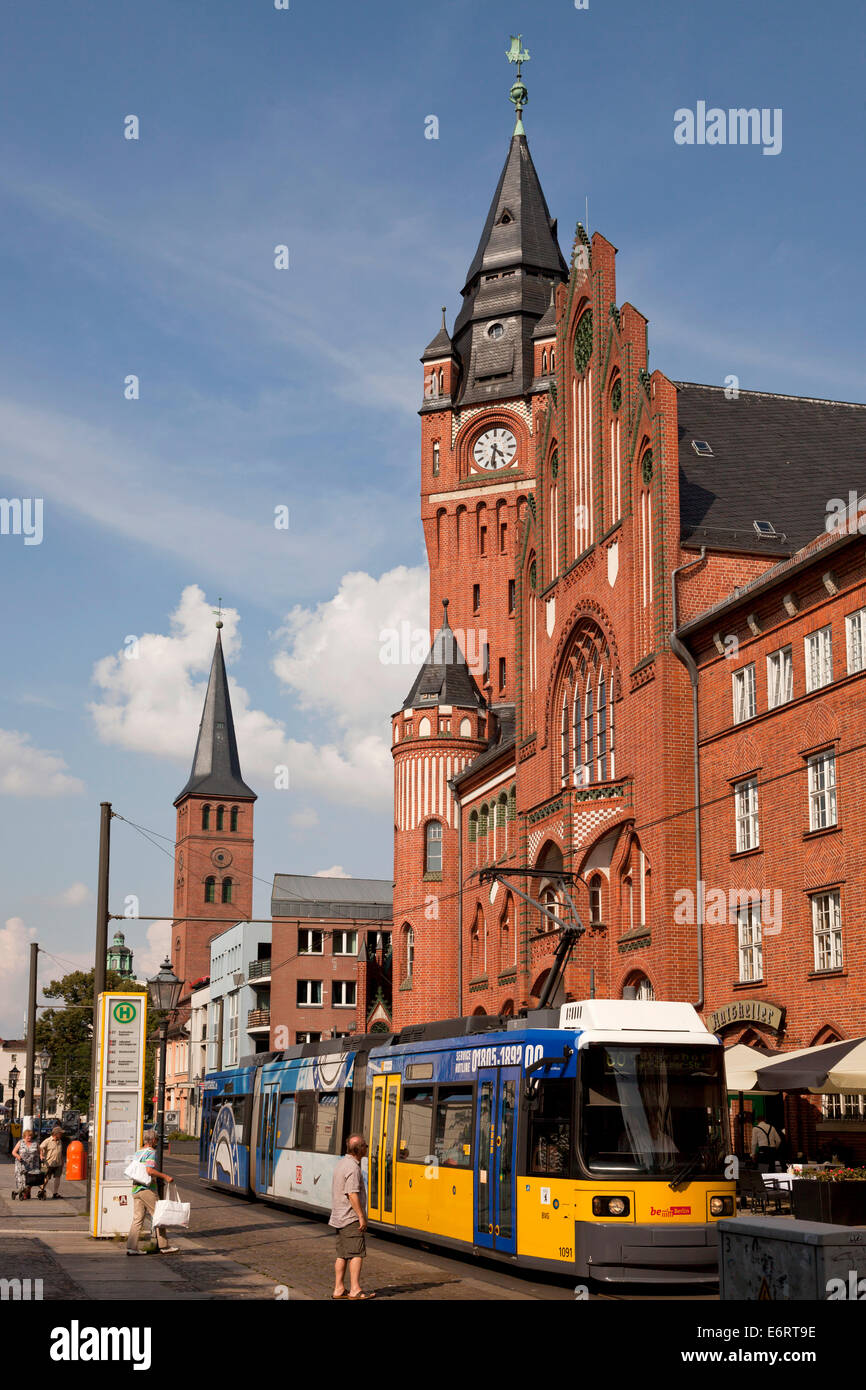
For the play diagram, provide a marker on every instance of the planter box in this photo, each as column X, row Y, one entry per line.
column 183, row 1146
column 840, row 1203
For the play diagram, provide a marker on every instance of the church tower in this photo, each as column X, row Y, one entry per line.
column 214, row 839
column 484, row 388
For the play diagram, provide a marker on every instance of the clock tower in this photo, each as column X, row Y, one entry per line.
column 486, row 393
column 479, row 416
column 213, row 879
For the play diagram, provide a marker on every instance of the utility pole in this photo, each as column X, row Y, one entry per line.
column 99, row 967
column 31, row 1033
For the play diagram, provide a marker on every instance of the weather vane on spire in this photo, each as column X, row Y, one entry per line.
column 519, row 95
column 219, row 612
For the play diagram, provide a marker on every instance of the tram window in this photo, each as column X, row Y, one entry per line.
column 286, row 1123
column 305, row 1121
column 326, row 1122
column 416, row 1124
column 550, row 1129
column 453, row 1143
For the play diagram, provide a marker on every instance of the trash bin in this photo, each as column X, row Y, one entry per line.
column 765, row 1258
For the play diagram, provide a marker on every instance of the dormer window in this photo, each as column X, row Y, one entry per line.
column 495, row 331
column 506, row 218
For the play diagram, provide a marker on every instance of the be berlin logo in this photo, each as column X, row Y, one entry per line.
column 736, row 126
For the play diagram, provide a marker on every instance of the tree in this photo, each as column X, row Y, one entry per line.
column 67, row 1033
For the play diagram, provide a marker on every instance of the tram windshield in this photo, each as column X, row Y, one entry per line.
column 653, row 1109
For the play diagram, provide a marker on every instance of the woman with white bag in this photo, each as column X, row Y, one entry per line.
column 144, row 1173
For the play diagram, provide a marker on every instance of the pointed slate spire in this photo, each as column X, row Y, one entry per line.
column 546, row 326
column 445, row 678
column 441, row 346
column 508, row 285
column 216, row 767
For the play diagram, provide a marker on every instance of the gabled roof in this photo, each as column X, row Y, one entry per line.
column 774, row 458
column 444, row 678
column 216, row 767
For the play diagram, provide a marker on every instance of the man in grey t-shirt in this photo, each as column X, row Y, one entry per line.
column 349, row 1217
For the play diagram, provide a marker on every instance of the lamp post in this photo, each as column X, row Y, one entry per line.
column 14, row 1074
column 164, row 990
column 45, row 1063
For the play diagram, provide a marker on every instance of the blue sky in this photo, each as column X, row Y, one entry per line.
column 262, row 388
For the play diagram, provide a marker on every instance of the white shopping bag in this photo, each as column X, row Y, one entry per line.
column 137, row 1172
column 171, row 1212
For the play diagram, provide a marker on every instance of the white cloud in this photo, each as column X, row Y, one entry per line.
column 305, row 819
column 335, row 871
column 15, row 939
column 73, row 896
column 29, row 771
column 152, row 702
column 147, row 958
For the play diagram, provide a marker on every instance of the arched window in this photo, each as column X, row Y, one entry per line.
column 553, row 359
column 639, row 987
column 483, row 821
column 441, row 380
column 221, row 816
column 601, row 732
column 615, row 485
column 424, row 728
column 554, row 532
column 512, row 804
column 433, row 848
column 544, row 362
column 409, row 935
column 628, row 901
column 563, row 739
column 576, row 760
column 502, row 818
column 227, row 890
column 465, row 728
column 205, row 818
column 588, row 726
column 210, row 890
column 234, row 818
column 595, row 900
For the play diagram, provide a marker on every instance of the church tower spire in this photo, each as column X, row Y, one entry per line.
column 214, row 837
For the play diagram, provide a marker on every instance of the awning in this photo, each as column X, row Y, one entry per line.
column 832, row 1067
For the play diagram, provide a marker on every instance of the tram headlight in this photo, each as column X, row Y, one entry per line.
column 611, row 1206
column 721, row 1206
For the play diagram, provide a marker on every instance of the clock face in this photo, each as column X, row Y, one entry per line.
column 495, row 449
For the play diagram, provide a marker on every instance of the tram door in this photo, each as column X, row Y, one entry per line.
column 384, row 1119
column 495, row 1150
column 270, row 1099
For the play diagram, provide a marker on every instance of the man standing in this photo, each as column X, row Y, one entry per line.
column 51, row 1153
column 144, row 1200
column 766, row 1140
column 349, row 1217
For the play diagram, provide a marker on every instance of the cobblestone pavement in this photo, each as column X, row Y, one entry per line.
column 240, row 1249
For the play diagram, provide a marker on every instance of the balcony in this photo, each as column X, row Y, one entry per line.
column 259, row 970
column 258, row 1020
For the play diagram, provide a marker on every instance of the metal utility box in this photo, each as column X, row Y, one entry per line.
column 774, row 1259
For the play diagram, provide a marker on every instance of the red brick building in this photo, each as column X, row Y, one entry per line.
column 600, row 532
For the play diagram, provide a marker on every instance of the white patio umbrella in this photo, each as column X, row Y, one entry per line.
column 741, row 1065
column 837, row 1066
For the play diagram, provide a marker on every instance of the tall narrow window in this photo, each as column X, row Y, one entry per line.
column 827, row 930
column 780, row 678
column 822, row 791
column 233, row 822
column 476, row 598
column 554, row 533
column 221, row 816
column 743, row 685
column 595, row 900
column 205, row 818
column 563, row 740
column 588, row 725
column 227, row 889
column 855, row 637
column 819, row 659
column 210, row 890
column 433, row 848
column 576, row 760
column 601, row 733
column 511, row 591
column 436, row 459
column 746, row 812
column 502, row 673
column 410, row 953
column 750, row 944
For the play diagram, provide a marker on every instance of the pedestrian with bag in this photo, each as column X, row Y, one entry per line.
column 51, row 1153
column 144, row 1197
column 28, row 1167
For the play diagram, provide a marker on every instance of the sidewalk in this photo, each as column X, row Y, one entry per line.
column 50, row 1241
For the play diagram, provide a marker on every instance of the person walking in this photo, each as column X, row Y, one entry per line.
column 51, row 1153
column 27, row 1166
column 144, row 1200
column 349, row 1218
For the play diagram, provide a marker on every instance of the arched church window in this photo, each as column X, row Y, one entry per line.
column 433, row 848
column 221, row 815
column 595, row 900
column 227, row 889
column 210, row 890
column 205, row 818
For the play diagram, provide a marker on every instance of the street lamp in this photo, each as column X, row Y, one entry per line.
column 14, row 1074
column 164, row 990
column 44, row 1060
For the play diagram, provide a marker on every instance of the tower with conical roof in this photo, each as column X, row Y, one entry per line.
column 214, row 838
column 119, row 957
